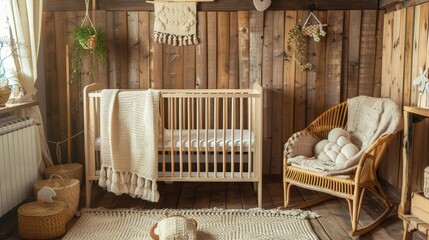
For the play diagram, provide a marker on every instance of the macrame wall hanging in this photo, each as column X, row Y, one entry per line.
column 176, row 21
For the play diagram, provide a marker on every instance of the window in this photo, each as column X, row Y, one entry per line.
column 8, row 72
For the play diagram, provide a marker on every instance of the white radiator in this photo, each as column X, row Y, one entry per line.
column 18, row 166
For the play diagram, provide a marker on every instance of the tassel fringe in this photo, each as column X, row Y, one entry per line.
column 128, row 183
column 133, row 185
column 102, row 181
column 175, row 40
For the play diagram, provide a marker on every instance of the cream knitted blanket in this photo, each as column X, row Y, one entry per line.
column 129, row 142
column 175, row 23
column 368, row 119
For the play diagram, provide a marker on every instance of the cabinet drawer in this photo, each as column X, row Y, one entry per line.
column 419, row 206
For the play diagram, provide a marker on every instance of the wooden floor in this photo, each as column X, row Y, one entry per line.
column 333, row 224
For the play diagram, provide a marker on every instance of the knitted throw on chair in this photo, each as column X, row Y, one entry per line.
column 129, row 142
column 175, row 23
column 368, row 119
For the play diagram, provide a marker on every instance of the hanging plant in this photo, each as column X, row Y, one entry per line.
column 87, row 40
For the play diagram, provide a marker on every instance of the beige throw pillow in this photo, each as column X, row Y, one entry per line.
column 337, row 148
column 300, row 144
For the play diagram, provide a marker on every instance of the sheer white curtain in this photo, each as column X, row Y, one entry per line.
column 25, row 18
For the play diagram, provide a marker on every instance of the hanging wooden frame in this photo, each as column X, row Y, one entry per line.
column 312, row 29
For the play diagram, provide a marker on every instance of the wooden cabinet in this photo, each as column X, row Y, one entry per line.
column 413, row 209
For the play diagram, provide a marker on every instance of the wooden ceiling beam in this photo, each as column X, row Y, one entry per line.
column 384, row 4
column 218, row 5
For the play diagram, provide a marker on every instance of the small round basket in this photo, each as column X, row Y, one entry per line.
column 69, row 170
column 39, row 220
column 4, row 95
column 67, row 191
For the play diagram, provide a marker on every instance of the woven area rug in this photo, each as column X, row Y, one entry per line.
column 212, row 223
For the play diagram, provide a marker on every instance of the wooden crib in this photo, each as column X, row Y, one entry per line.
column 206, row 136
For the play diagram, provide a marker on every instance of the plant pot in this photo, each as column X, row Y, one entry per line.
column 89, row 43
column 4, row 95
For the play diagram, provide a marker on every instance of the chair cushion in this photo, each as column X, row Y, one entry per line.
column 300, row 144
column 338, row 148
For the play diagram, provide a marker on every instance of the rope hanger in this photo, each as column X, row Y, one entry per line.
column 58, row 145
column 311, row 7
column 314, row 16
column 87, row 19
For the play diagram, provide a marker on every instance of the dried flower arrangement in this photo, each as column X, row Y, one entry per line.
column 297, row 40
column 9, row 83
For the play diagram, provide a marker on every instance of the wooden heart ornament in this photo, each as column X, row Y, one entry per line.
column 261, row 5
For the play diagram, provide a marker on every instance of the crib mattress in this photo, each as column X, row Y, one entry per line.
column 232, row 138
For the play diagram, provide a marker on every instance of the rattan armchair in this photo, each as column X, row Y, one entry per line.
column 352, row 189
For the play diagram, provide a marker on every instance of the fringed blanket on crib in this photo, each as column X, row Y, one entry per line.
column 129, row 141
column 175, row 23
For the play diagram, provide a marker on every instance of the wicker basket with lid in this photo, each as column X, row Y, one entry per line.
column 39, row 220
column 67, row 190
column 69, row 170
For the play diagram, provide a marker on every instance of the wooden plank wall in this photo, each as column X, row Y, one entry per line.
column 237, row 49
column 405, row 51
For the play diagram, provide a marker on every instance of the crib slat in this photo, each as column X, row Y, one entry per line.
column 201, row 112
column 206, row 135
column 241, row 136
column 249, row 149
column 189, row 136
column 216, row 119
column 163, row 135
column 198, row 108
column 180, row 138
column 193, row 110
column 171, row 120
column 232, row 135
column 224, row 126
column 169, row 100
